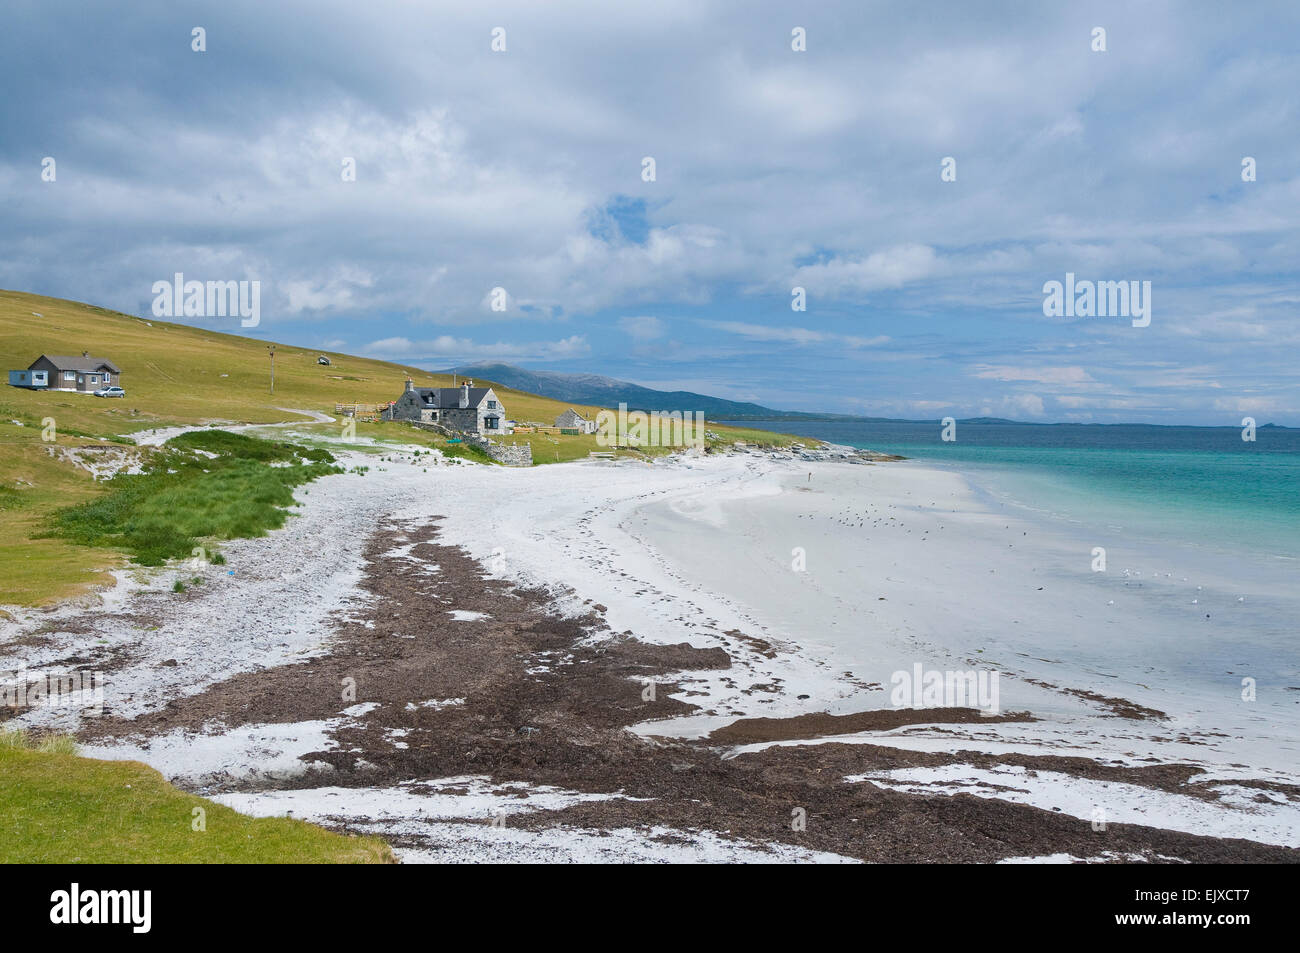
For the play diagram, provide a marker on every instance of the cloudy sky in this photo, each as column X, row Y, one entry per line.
column 775, row 168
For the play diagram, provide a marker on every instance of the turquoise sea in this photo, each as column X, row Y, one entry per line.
column 1203, row 486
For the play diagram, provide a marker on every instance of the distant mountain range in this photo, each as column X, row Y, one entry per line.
column 593, row 389
column 609, row 392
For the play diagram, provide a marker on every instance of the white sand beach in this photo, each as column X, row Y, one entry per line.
column 904, row 566
column 820, row 580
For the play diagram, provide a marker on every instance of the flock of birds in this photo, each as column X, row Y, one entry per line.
column 853, row 519
column 1137, row 574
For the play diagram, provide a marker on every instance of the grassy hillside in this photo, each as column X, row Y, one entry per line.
column 58, row 808
column 175, row 375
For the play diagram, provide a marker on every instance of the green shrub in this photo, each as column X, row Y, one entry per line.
column 11, row 498
column 182, row 498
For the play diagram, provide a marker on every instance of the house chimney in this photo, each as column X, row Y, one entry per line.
column 464, row 394
column 85, row 354
column 409, row 384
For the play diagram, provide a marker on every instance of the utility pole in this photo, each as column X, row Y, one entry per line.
column 271, row 350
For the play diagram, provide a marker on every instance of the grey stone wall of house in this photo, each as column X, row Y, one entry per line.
column 410, row 406
column 490, row 415
column 468, row 419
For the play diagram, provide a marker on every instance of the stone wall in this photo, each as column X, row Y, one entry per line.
column 505, row 454
column 510, row 456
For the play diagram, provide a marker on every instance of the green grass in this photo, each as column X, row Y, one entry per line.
column 245, row 447
column 556, row 448
column 11, row 498
column 756, row 438
column 58, row 808
column 465, row 451
column 185, row 497
column 37, row 570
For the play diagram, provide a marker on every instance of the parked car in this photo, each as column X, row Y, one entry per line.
column 113, row 391
column 323, row 360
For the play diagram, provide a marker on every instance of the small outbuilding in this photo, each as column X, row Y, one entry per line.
column 572, row 420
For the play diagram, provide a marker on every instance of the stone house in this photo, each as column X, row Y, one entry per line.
column 572, row 420
column 466, row 408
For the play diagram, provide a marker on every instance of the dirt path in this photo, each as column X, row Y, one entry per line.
column 156, row 438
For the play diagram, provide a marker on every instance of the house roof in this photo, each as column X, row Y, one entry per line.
column 573, row 412
column 78, row 363
column 450, row 396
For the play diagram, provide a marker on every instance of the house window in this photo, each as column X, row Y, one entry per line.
column 492, row 423
column 492, row 405
column 69, row 375
column 94, row 378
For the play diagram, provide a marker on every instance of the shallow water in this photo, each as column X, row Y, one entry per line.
column 1200, row 486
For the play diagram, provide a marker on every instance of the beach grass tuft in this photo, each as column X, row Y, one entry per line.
column 204, row 485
